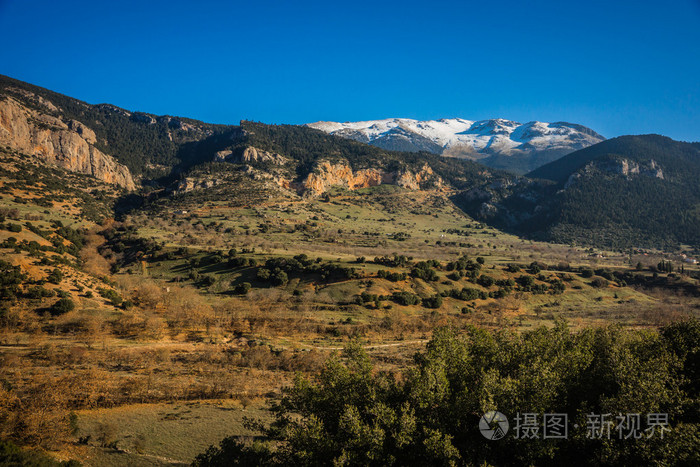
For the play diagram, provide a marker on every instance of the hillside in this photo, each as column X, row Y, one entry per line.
column 633, row 191
column 497, row 143
column 627, row 192
column 124, row 147
column 150, row 146
column 141, row 324
column 679, row 159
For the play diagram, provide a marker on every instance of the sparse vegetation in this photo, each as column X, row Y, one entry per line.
column 113, row 303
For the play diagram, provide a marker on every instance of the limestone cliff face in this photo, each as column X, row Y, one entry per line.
column 327, row 174
column 191, row 184
column 66, row 145
column 618, row 166
column 416, row 181
column 250, row 155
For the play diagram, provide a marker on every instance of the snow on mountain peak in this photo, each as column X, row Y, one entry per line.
column 467, row 138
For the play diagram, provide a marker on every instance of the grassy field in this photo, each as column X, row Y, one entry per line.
column 162, row 433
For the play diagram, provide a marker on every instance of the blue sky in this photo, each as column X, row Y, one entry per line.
column 620, row 67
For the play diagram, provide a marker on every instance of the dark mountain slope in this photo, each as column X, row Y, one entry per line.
column 673, row 155
column 631, row 191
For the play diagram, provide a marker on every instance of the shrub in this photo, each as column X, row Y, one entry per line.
column 279, row 278
column 465, row 294
column 62, row 306
column 111, row 295
column 39, row 292
column 263, row 274
column 208, row 281
column 424, row 271
column 513, row 268
column 405, row 298
column 432, row 302
column 586, row 272
column 526, row 281
column 10, row 278
column 55, row 277
column 534, row 268
column 485, row 281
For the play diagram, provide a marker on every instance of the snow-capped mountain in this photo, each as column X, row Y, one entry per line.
column 497, row 142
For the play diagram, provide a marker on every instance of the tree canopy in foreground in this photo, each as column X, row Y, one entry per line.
column 352, row 414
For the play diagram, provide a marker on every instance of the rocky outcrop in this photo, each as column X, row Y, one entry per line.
column 86, row 133
column 190, row 184
column 618, row 166
column 250, row 155
column 327, row 174
column 66, row 145
column 416, row 181
column 629, row 168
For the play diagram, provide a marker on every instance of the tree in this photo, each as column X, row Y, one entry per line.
column 526, row 281
column 55, row 277
column 10, row 279
column 485, row 281
column 432, row 302
column 62, row 306
column 354, row 414
column 208, row 281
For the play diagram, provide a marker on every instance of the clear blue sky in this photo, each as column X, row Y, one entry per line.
column 618, row 66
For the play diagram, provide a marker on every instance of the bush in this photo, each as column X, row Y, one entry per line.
column 513, row 268
column 466, row 294
column 207, row 281
column 432, row 302
column 391, row 276
column 534, row 268
column 424, row 271
column 62, row 306
column 111, row 295
column 10, row 279
column 263, row 274
column 242, row 288
column 405, row 298
column 485, row 281
column 39, row 292
column 279, row 278
column 526, row 281
column 55, row 277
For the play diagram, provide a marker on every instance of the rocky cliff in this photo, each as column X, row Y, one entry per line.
column 66, row 144
column 327, row 174
column 250, row 155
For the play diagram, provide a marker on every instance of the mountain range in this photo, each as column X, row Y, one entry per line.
column 625, row 192
column 497, row 143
